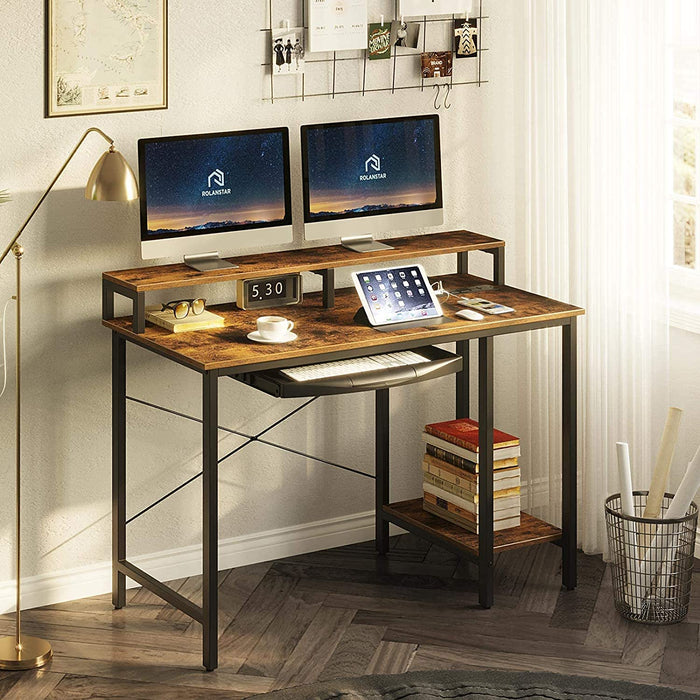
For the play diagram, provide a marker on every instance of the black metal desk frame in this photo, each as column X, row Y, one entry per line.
column 207, row 614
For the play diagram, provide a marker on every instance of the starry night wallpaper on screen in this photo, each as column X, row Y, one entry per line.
column 363, row 168
column 214, row 183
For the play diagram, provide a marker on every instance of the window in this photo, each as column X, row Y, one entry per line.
column 684, row 182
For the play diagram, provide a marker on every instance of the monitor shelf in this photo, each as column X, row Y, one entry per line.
column 323, row 260
column 316, row 259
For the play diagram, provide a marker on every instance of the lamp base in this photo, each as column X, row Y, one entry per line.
column 35, row 652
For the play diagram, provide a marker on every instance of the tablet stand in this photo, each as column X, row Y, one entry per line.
column 361, row 317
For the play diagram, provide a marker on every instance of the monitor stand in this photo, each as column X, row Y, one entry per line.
column 363, row 244
column 207, row 261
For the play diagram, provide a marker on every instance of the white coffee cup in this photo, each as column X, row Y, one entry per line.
column 274, row 327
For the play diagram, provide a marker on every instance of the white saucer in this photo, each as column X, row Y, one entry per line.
column 287, row 338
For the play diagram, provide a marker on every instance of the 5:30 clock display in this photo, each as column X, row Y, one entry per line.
column 262, row 293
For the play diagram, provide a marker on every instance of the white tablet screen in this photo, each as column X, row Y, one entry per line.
column 396, row 294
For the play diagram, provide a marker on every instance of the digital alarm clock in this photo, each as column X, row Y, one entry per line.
column 266, row 292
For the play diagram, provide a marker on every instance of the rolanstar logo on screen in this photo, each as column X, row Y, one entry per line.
column 217, row 178
column 374, row 162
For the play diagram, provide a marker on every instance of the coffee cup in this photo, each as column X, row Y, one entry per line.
column 274, row 327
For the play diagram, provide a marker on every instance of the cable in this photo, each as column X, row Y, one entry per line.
column 440, row 291
column 4, row 348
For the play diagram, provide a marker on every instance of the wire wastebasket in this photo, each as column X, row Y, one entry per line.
column 652, row 560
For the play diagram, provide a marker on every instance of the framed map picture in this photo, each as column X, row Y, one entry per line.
column 105, row 56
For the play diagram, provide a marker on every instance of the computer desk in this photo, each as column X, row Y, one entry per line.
column 330, row 333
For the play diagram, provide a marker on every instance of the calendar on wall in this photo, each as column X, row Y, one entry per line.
column 336, row 25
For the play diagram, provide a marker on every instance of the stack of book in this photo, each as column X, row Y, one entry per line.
column 451, row 474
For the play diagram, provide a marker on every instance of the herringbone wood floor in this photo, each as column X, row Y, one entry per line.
column 334, row 614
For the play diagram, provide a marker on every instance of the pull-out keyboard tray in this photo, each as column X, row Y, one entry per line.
column 435, row 362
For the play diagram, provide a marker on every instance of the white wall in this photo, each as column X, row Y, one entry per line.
column 216, row 83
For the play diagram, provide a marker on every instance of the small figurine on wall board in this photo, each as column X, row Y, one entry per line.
column 288, row 51
column 466, row 33
column 405, row 35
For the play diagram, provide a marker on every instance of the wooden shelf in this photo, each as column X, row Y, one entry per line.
column 145, row 279
column 326, row 333
column 411, row 516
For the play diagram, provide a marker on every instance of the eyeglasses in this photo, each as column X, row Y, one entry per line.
column 183, row 307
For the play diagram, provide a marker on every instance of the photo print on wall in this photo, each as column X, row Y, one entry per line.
column 466, row 34
column 379, row 41
column 288, row 51
column 405, row 35
column 436, row 64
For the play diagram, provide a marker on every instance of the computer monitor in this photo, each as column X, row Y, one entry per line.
column 209, row 193
column 367, row 177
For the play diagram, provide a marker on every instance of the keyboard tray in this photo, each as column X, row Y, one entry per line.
column 275, row 383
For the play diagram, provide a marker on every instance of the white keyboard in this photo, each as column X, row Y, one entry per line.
column 324, row 370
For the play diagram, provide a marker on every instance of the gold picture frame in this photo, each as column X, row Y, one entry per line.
column 105, row 58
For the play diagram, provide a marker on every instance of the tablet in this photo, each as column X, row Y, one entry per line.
column 396, row 294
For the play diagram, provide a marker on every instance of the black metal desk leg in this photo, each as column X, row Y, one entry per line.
column 328, row 289
column 210, row 519
column 463, row 263
column 107, row 300
column 381, row 460
column 462, row 381
column 486, row 582
column 462, row 378
column 118, row 468
column 499, row 265
column 139, row 319
column 568, row 450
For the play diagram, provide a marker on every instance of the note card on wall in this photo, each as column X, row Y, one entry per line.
column 415, row 8
column 337, row 25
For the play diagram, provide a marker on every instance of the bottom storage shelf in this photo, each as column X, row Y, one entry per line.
column 411, row 516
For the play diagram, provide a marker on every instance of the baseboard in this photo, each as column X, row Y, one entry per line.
column 83, row 582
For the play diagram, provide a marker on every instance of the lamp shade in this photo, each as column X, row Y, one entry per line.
column 112, row 179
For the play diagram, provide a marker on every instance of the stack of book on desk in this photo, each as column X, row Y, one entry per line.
column 451, row 474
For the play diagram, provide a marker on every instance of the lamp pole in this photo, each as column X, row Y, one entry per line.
column 18, row 253
column 111, row 179
column 20, row 653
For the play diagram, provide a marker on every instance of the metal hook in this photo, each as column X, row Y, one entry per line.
column 436, row 102
column 447, row 94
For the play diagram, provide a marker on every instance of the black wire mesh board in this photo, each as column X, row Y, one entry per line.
column 338, row 73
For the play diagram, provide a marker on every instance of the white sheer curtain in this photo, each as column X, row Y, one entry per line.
column 592, row 171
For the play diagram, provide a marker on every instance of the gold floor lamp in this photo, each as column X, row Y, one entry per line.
column 111, row 180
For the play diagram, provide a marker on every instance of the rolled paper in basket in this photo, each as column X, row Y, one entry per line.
column 667, row 544
column 663, row 463
column 686, row 491
column 625, row 472
column 657, row 487
column 629, row 534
